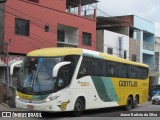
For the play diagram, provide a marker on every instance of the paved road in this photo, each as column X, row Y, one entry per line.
column 99, row 114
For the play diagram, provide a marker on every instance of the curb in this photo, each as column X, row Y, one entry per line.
column 5, row 105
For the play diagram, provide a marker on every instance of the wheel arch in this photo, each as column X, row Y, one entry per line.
column 82, row 97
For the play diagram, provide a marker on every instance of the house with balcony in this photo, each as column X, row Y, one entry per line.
column 28, row 25
column 141, row 34
column 157, row 59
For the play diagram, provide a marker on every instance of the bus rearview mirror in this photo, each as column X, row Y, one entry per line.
column 58, row 66
column 13, row 65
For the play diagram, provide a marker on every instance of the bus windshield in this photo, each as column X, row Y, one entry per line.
column 36, row 74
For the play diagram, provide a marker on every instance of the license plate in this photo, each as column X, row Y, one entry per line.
column 30, row 106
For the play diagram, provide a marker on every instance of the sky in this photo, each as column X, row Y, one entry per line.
column 147, row 9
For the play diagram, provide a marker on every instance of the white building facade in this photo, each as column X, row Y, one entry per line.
column 113, row 43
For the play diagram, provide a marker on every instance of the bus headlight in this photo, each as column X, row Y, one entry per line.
column 51, row 98
column 48, row 100
column 17, row 97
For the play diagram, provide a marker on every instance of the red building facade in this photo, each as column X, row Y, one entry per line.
column 34, row 24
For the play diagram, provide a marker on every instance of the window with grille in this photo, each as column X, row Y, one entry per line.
column 22, row 27
column 134, row 57
column 46, row 28
column 125, row 54
column 110, row 50
column 86, row 39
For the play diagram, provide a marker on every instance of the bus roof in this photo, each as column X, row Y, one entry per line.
column 62, row 51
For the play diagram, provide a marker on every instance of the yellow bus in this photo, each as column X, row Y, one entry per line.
column 75, row 79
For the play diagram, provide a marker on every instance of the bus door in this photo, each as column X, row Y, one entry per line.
column 63, row 81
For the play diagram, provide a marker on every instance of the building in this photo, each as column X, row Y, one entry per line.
column 55, row 23
column 113, row 43
column 157, row 59
column 141, row 34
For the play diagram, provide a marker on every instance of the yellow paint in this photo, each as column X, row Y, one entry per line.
column 24, row 96
column 64, row 105
column 85, row 85
column 56, row 52
column 118, row 59
column 124, row 92
column 77, row 51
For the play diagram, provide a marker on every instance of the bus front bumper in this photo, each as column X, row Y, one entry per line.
column 45, row 106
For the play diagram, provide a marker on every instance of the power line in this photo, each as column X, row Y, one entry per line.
column 40, row 21
column 35, row 23
column 31, row 16
column 29, row 37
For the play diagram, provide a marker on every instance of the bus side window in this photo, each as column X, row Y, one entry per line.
column 113, row 69
column 100, row 68
column 71, row 67
column 123, row 72
column 86, row 67
column 134, row 71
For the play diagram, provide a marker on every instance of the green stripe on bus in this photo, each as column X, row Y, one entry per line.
column 39, row 97
column 110, row 88
column 93, row 56
column 105, row 88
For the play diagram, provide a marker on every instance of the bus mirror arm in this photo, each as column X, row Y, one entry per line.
column 58, row 66
column 13, row 65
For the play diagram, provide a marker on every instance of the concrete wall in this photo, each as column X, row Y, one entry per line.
column 53, row 16
column 121, row 30
column 100, row 40
column 71, row 34
column 134, row 48
column 143, row 24
column 111, row 40
column 157, row 58
column 157, row 44
column 147, row 34
column 10, row 99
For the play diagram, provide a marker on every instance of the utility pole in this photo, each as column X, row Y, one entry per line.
column 5, row 46
column 7, row 56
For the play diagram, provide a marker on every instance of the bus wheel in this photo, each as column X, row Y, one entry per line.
column 78, row 107
column 135, row 102
column 129, row 103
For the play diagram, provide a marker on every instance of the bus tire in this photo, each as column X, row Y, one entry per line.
column 78, row 107
column 135, row 102
column 129, row 103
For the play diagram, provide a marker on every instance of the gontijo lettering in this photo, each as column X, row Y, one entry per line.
column 128, row 83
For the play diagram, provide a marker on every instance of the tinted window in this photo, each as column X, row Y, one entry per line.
column 86, row 39
column 112, row 69
column 110, row 51
column 133, row 71
column 86, row 67
column 22, row 27
column 100, row 68
column 123, row 70
column 143, row 72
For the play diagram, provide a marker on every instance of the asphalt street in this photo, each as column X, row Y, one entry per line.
column 100, row 114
